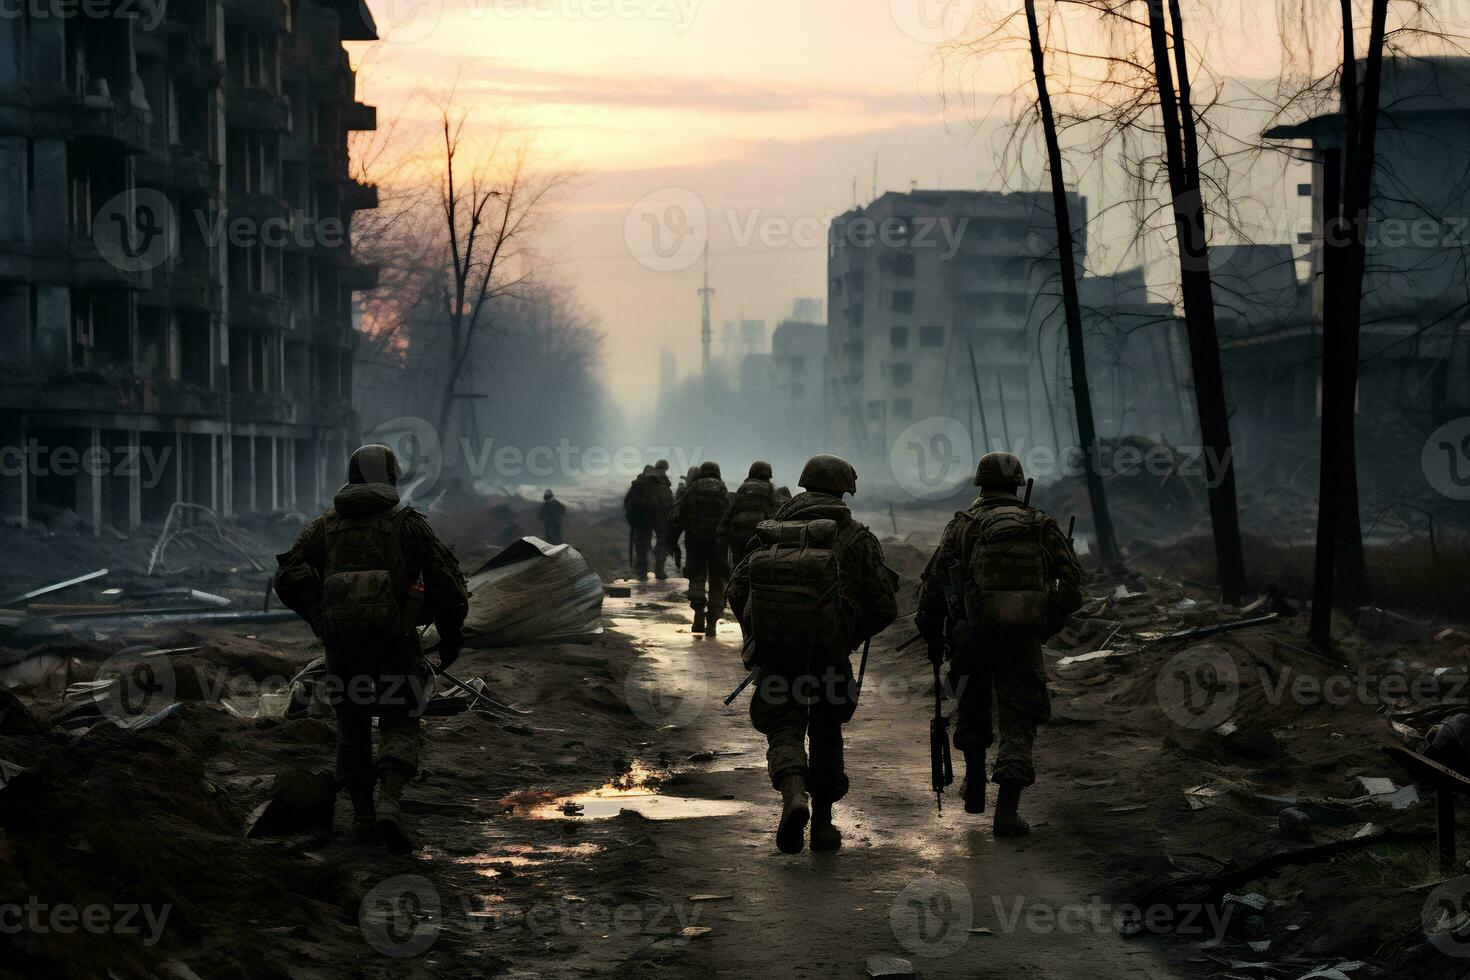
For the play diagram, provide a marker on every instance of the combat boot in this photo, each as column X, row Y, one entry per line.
column 364, row 820
column 698, row 620
column 1008, row 822
column 825, row 835
column 973, row 788
column 390, row 825
column 712, row 619
column 795, row 812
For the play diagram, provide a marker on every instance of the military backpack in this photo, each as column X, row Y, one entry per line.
column 1007, row 581
column 796, row 603
column 364, row 591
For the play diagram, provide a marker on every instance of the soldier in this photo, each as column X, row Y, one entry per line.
column 353, row 575
column 641, row 507
column 552, row 513
column 696, row 516
column 1003, row 578
column 753, row 502
column 812, row 591
column 664, row 505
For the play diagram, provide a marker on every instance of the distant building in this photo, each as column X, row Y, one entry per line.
column 918, row 281
column 227, row 362
column 1416, row 317
column 797, row 377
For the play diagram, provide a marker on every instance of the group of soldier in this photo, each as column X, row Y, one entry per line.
column 806, row 581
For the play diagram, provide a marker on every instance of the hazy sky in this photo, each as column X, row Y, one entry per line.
column 740, row 122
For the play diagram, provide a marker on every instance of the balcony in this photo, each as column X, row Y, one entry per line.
column 331, row 414
column 181, row 168
column 273, row 16
column 260, row 311
column 259, row 109
column 359, row 117
column 111, row 395
column 257, row 207
column 261, row 406
column 195, row 291
column 89, row 118
column 357, row 196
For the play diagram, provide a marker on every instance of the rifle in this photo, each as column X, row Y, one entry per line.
column 631, row 535
column 1071, row 526
column 941, row 765
column 748, row 677
column 1030, row 485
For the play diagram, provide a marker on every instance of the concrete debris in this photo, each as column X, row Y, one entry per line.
column 8, row 771
column 1294, row 823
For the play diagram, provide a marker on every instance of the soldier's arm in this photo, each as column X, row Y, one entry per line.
column 1064, row 564
column 298, row 581
column 446, row 596
column 879, row 596
column 738, row 592
column 932, row 612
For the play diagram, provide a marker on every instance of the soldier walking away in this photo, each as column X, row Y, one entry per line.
column 641, row 507
column 696, row 516
column 552, row 513
column 664, row 495
column 354, row 575
column 753, row 502
column 1003, row 579
column 812, row 591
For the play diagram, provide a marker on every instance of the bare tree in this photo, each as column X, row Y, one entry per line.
column 492, row 201
column 1086, row 429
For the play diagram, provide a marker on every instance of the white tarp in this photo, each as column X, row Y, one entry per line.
column 532, row 592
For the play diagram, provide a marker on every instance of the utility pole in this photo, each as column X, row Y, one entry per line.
column 706, row 332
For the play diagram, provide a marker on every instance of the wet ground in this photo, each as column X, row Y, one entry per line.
column 673, row 862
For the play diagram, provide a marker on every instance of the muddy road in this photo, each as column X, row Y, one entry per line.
column 673, row 863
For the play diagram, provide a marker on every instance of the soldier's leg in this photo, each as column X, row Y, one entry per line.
column 697, row 566
column 355, row 765
column 719, row 577
column 783, row 721
column 969, row 684
column 660, row 551
column 400, row 741
column 1022, row 703
column 642, row 539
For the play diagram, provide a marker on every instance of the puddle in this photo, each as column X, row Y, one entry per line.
column 635, row 790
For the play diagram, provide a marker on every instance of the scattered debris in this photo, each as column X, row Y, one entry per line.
column 1196, row 632
column 301, row 801
column 1294, row 823
column 55, row 587
column 883, row 965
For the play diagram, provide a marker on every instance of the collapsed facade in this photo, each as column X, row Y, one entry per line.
column 176, row 277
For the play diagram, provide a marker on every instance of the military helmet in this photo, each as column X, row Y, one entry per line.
column 662, row 466
column 760, row 470
column 831, row 473
column 692, row 475
column 999, row 470
column 709, row 469
column 547, row 495
column 373, row 464
column 647, row 471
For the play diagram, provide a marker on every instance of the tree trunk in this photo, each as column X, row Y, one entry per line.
column 1352, row 572
column 1328, row 499
column 1102, row 520
column 1182, row 157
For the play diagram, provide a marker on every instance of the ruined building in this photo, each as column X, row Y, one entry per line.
column 175, row 279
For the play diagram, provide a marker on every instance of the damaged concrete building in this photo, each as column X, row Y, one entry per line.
column 176, row 279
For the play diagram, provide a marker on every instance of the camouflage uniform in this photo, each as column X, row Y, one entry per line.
column 1009, row 659
column 552, row 513
column 869, row 605
column 662, row 540
column 753, row 502
column 696, row 517
column 389, row 682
